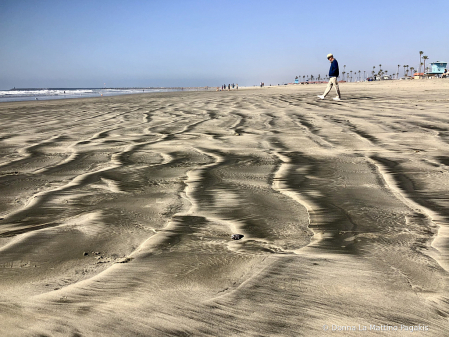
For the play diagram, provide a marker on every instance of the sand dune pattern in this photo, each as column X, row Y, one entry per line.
column 116, row 214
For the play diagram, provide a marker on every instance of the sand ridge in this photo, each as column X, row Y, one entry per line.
column 116, row 212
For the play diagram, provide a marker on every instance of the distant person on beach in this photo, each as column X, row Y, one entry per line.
column 333, row 74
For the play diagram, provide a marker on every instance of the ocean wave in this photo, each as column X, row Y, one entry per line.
column 43, row 92
column 31, row 94
column 60, row 93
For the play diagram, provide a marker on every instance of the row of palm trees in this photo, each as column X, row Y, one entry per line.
column 312, row 78
column 424, row 58
column 357, row 74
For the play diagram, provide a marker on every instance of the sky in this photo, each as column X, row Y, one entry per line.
column 163, row 43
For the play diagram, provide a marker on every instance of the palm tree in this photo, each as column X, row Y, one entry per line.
column 359, row 76
column 379, row 73
column 420, row 53
column 404, row 68
column 380, row 66
column 398, row 69
column 303, row 77
column 425, row 58
column 412, row 71
column 351, row 75
column 344, row 75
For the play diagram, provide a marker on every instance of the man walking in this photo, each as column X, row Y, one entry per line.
column 333, row 74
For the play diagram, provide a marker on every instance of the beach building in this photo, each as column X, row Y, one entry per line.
column 418, row 76
column 436, row 69
column 382, row 77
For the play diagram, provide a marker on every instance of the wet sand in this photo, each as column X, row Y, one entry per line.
column 117, row 212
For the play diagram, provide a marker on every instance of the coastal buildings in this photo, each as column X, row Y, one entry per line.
column 437, row 69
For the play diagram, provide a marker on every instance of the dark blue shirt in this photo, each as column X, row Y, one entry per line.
column 333, row 71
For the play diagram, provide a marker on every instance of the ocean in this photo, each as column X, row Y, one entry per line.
column 64, row 93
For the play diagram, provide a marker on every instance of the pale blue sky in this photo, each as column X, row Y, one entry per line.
column 196, row 43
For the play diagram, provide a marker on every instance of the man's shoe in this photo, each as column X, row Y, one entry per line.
column 320, row 96
column 336, row 98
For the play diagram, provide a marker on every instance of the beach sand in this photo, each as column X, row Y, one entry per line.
column 117, row 213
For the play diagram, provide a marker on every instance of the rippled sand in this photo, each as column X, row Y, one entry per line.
column 116, row 213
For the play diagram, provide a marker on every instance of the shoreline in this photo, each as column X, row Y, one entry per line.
column 213, row 89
